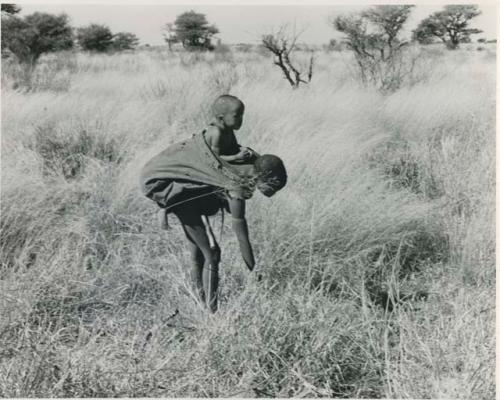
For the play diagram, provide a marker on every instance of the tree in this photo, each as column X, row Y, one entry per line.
column 169, row 35
column 29, row 37
column 10, row 8
column 374, row 33
column 282, row 44
column 95, row 37
column 374, row 37
column 193, row 31
column 124, row 41
column 450, row 26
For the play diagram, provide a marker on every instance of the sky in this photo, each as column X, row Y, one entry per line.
column 237, row 23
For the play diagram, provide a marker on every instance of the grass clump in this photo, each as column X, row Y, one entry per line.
column 67, row 153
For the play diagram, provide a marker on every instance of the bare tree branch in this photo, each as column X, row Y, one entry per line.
column 282, row 44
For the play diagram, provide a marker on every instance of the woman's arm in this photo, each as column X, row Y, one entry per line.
column 240, row 227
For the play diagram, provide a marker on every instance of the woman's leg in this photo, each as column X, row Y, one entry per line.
column 211, row 240
column 195, row 230
column 211, row 284
column 211, row 271
column 196, row 273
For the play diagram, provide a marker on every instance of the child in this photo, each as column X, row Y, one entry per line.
column 227, row 112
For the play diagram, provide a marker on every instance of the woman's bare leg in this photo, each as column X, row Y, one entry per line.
column 211, row 271
column 211, row 239
column 196, row 273
column 211, row 285
column 199, row 242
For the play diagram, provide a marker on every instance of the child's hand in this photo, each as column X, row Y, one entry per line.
column 245, row 153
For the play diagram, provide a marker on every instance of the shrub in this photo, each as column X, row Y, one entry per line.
column 67, row 154
column 10, row 8
column 29, row 37
column 95, row 37
column 124, row 41
column 379, row 56
column 52, row 73
column 193, row 31
column 243, row 47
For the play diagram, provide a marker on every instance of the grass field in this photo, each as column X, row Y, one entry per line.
column 378, row 258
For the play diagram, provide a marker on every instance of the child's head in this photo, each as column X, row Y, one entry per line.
column 228, row 111
column 271, row 174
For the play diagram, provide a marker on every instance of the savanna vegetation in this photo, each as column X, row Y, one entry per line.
column 377, row 259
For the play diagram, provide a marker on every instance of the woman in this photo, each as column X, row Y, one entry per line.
column 189, row 180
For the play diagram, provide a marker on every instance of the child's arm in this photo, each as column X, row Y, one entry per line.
column 213, row 137
column 245, row 154
column 240, row 227
column 236, row 157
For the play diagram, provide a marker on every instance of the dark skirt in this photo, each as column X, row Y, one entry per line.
column 178, row 194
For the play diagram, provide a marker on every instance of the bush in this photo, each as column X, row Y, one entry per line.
column 29, row 37
column 95, row 37
column 222, row 49
column 67, row 154
column 380, row 54
column 333, row 45
column 52, row 73
column 124, row 41
column 243, row 48
column 10, row 8
column 193, row 31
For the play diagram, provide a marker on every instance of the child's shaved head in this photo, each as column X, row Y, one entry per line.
column 226, row 103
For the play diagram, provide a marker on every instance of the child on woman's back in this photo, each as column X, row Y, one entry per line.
column 227, row 112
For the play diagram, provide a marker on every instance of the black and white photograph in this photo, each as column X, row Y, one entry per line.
column 235, row 199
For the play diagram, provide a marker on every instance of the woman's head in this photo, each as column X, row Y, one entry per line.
column 271, row 174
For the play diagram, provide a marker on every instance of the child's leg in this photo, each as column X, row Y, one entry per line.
column 196, row 232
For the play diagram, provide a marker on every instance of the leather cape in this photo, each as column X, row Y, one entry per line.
column 188, row 170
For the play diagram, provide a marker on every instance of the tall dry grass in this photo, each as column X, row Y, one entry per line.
column 377, row 259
